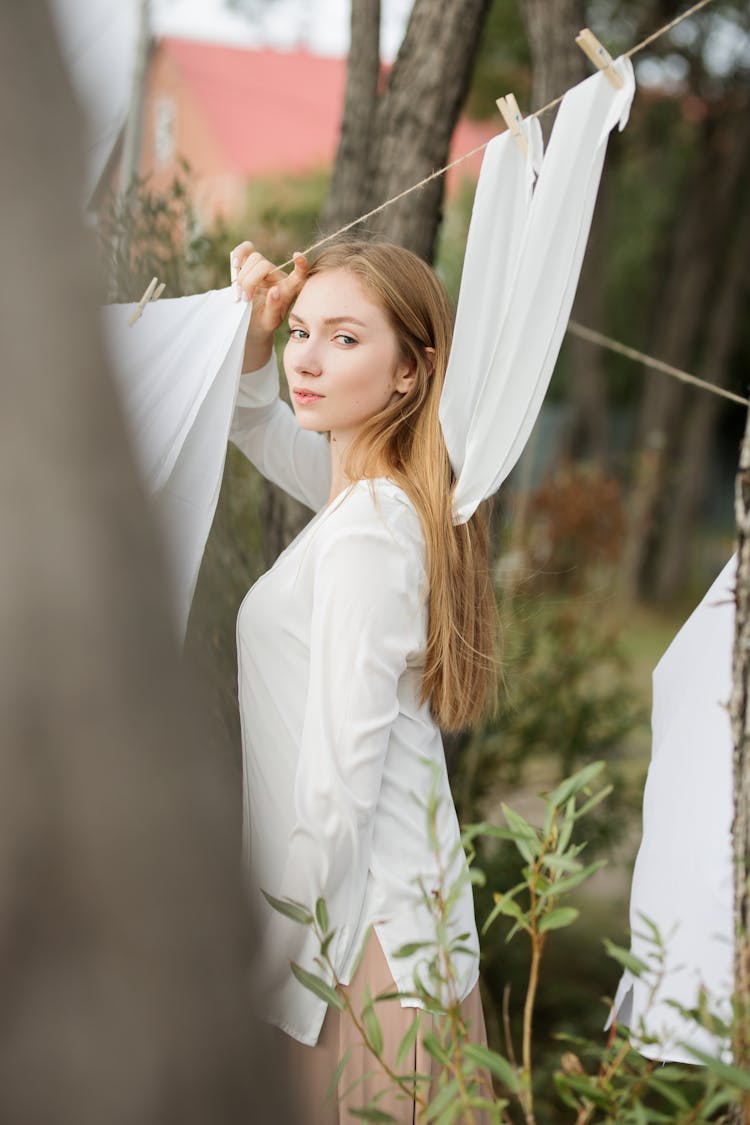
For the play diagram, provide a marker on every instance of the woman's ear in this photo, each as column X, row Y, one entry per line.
column 407, row 372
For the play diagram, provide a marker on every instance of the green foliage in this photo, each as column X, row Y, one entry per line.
column 609, row 1084
column 147, row 234
column 568, row 700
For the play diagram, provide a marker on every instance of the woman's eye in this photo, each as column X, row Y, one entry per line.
column 297, row 333
column 344, row 338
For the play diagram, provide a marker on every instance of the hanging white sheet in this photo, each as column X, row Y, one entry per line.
column 683, row 873
column 520, row 275
column 177, row 370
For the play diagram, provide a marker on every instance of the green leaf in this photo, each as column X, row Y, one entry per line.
column 334, row 1083
column 592, row 802
column 318, row 987
column 445, row 1100
column 297, row 911
column 321, row 913
column 674, row 1096
column 509, row 908
column 483, row 1057
column 408, row 1040
column 732, row 1075
column 574, row 784
column 626, row 959
column 372, row 1113
column 434, row 1047
column 372, row 1025
column 523, row 835
column 412, row 947
column 562, row 886
column 556, row 919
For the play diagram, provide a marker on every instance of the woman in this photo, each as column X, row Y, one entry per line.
column 374, row 626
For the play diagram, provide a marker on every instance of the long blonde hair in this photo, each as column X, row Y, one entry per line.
column 405, row 441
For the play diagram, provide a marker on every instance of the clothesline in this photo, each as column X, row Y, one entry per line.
column 480, row 148
column 650, row 361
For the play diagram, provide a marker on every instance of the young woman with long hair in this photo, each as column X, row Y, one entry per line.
column 372, row 631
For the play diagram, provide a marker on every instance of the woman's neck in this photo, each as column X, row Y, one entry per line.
column 339, row 445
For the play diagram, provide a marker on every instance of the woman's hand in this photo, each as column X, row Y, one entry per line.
column 271, row 292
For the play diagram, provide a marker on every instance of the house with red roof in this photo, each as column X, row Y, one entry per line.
column 239, row 114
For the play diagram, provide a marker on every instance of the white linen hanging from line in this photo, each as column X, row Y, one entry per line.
column 177, row 371
column 511, row 322
column 682, row 879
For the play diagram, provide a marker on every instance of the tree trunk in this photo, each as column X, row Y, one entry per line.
column 124, row 946
column 413, row 121
column 588, row 431
column 739, row 709
column 701, row 235
column 349, row 184
column 700, row 426
column 551, row 27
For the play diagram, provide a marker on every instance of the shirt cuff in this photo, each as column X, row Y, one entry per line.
column 261, row 387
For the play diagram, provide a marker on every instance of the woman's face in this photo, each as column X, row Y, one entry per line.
column 342, row 360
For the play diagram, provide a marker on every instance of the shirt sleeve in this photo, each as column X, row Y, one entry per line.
column 367, row 627
column 265, row 430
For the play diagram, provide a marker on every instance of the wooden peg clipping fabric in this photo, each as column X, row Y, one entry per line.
column 138, row 310
column 508, row 107
column 599, row 56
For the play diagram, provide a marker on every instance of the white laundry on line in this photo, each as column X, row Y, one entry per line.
column 682, row 880
column 177, row 371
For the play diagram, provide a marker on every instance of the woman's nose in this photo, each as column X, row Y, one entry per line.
column 306, row 359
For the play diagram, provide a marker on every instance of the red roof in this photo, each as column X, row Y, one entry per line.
column 277, row 111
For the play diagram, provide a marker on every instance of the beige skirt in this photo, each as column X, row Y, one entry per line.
column 312, row 1068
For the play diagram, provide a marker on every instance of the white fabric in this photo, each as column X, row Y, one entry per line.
column 177, row 370
column 521, row 270
column 335, row 741
column 683, row 873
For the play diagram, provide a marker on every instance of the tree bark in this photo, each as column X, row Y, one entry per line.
column 414, row 118
column 124, row 945
column 739, row 709
column 700, row 426
column 349, row 183
column 551, row 27
column 702, row 232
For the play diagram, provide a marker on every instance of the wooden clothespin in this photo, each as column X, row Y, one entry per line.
column 508, row 106
column 153, row 293
column 599, row 56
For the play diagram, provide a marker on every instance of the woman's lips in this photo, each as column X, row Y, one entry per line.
column 305, row 398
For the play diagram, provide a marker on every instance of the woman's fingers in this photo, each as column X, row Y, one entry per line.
column 268, row 287
column 290, row 285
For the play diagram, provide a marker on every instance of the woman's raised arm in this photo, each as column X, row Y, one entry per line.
column 264, row 428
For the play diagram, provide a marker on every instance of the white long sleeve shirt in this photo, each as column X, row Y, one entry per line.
column 337, row 748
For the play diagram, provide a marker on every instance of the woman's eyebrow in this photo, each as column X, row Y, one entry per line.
column 329, row 320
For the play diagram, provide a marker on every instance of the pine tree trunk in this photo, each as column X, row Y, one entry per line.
column 551, row 27
column 740, row 714
column 404, row 134
column 700, row 426
column 701, row 233
column 725, row 311
column 350, row 181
